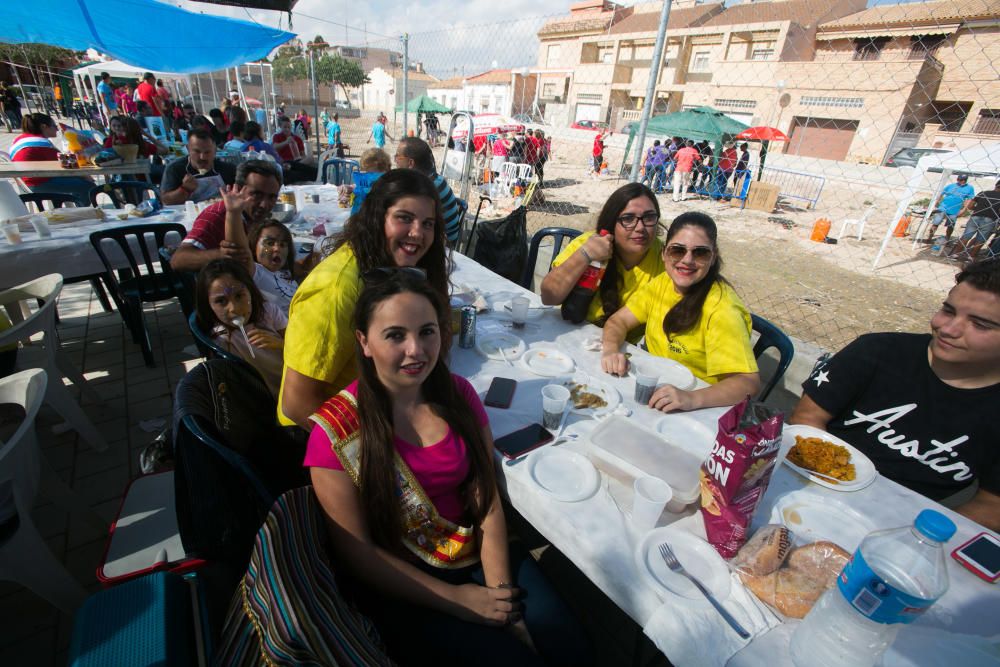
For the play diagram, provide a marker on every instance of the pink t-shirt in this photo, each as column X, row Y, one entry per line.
column 685, row 158
column 439, row 468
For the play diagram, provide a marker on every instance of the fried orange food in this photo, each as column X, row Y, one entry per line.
column 823, row 457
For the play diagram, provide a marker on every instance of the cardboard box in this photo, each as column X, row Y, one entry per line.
column 762, row 197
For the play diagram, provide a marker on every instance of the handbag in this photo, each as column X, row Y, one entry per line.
column 502, row 245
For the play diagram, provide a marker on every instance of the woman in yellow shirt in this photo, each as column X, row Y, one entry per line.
column 630, row 216
column 399, row 224
column 692, row 315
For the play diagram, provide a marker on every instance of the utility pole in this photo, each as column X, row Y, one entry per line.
column 406, row 79
column 654, row 75
column 312, row 72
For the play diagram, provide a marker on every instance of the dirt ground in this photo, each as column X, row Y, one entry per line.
column 821, row 294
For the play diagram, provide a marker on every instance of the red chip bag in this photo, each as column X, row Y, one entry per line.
column 735, row 475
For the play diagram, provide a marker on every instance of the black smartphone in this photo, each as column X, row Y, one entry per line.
column 501, row 393
column 523, row 441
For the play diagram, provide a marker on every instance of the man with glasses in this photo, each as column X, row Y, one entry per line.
column 260, row 180
column 413, row 153
column 197, row 177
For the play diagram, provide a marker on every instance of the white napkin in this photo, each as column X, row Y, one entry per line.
column 692, row 633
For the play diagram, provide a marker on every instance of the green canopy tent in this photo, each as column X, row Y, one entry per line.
column 702, row 123
column 424, row 104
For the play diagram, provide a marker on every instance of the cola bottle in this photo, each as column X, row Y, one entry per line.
column 575, row 306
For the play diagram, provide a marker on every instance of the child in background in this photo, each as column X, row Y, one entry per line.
column 225, row 292
column 374, row 162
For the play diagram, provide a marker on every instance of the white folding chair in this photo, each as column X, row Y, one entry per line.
column 17, row 301
column 525, row 172
column 856, row 222
column 508, row 174
column 24, row 556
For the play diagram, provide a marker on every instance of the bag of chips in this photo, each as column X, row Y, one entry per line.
column 735, row 475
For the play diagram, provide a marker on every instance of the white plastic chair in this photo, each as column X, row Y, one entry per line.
column 21, row 187
column 323, row 157
column 56, row 363
column 24, row 556
column 856, row 222
column 508, row 174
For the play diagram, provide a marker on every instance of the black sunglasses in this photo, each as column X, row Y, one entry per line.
column 382, row 274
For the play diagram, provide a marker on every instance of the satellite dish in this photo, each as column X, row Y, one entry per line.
column 784, row 100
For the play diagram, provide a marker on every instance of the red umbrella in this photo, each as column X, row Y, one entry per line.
column 762, row 133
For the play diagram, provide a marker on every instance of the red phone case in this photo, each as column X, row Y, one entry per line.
column 971, row 568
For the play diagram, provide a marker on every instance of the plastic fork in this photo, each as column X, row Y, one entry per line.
column 675, row 566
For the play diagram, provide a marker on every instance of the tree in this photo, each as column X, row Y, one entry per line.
column 341, row 71
column 289, row 65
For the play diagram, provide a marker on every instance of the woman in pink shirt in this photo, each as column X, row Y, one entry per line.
column 402, row 464
column 685, row 158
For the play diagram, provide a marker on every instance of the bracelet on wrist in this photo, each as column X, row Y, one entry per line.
column 504, row 585
column 586, row 255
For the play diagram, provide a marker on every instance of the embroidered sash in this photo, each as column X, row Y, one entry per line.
column 428, row 535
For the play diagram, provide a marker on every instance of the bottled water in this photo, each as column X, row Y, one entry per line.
column 893, row 577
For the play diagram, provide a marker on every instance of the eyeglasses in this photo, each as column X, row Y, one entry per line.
column 676, row 252
column 630, row 221
column 383, row 274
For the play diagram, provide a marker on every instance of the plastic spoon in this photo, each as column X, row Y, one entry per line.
column 239, row 322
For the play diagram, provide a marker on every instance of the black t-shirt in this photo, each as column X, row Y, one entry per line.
column 920, row 432
column 175, row 171
column 987, row 203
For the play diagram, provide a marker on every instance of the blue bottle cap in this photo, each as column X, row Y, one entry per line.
column 935, row 525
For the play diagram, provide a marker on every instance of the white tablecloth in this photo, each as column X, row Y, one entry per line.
column 593, row 534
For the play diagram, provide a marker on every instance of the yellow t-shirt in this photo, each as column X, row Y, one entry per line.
column 717, row 345
column 319, row 341
column 636, row 277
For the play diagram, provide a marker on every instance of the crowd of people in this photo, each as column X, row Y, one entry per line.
column 682, row 165
column 958, row 199
column 530, row 147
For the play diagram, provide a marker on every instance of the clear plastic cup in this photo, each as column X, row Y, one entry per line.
column 519, row 310
column 190, row 209
column 651, row 495
column 646, row 379
column 12, row 232
column 41, row 226
column 555, row 398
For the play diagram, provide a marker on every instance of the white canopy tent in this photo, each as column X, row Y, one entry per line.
column 983, row 159
column 92, row 73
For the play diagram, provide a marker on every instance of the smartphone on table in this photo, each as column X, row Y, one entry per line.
column 523, row 441
column 981, row 555
column 500, row 393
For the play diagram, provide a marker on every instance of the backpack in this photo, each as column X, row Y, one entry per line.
column 502, row 245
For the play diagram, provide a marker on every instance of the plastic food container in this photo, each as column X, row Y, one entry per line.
column 645, row 452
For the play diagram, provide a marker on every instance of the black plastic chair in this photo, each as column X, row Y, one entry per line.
column 208, row 346
column 186, row 279
column 463, row 209
column 772, row 336
column 56, row 200
column 132, row 287
column 124, row 192
column 559, row 235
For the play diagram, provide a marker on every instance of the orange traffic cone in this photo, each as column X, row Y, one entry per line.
column 902, row 227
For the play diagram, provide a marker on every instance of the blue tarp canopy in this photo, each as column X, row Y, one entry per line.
column 143, row 33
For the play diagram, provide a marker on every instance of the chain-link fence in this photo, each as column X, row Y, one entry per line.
column 857, row 96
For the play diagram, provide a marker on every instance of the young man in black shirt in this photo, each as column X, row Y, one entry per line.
column 922, row 407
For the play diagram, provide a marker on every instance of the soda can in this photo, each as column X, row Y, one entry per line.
column 467, row 331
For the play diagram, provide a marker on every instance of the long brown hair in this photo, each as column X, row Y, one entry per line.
column 613, row 282
column 204, row 315
column 377, row 474
column 687, row 312
column 365, row 230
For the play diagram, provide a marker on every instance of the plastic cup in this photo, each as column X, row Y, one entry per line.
column 41, row 226
column 190, row 209
column 12, row 232
column 300, row 200
column 519, row 311
column 555, row 397
column 645, row 383
column 651, row 495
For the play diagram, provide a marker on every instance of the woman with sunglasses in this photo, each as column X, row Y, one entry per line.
column 630, row 217
column 401, row 461
column 693, row 315
column 399, row 224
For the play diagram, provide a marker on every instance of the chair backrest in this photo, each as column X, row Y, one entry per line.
column 54, row 199
column 26, row 389
column 525, row 172
column 208, row 345
column 232, row 460
column 130, row 238
column 508, row 172
column 323, row 157
column 184, row 281
column 559, row 235
column 46, row 290
column 124, row 192
column 338, row 170
column 772, row 336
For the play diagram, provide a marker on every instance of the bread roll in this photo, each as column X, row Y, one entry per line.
column 765, row 552
column 822, row 561
column 795, row 592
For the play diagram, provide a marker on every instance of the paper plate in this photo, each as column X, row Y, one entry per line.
column 611, row 396
column 670, row 371
column 864, row 469
column 564, row 474
column 547, row 362
column 811, row 517
column 489, row 345
column 698, row 557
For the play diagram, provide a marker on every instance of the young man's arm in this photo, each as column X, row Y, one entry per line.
column 984, row 509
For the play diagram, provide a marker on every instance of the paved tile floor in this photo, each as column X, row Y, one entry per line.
column 136, row 403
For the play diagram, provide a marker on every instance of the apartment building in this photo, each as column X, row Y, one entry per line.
column 844, row 82
column 500, row 91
